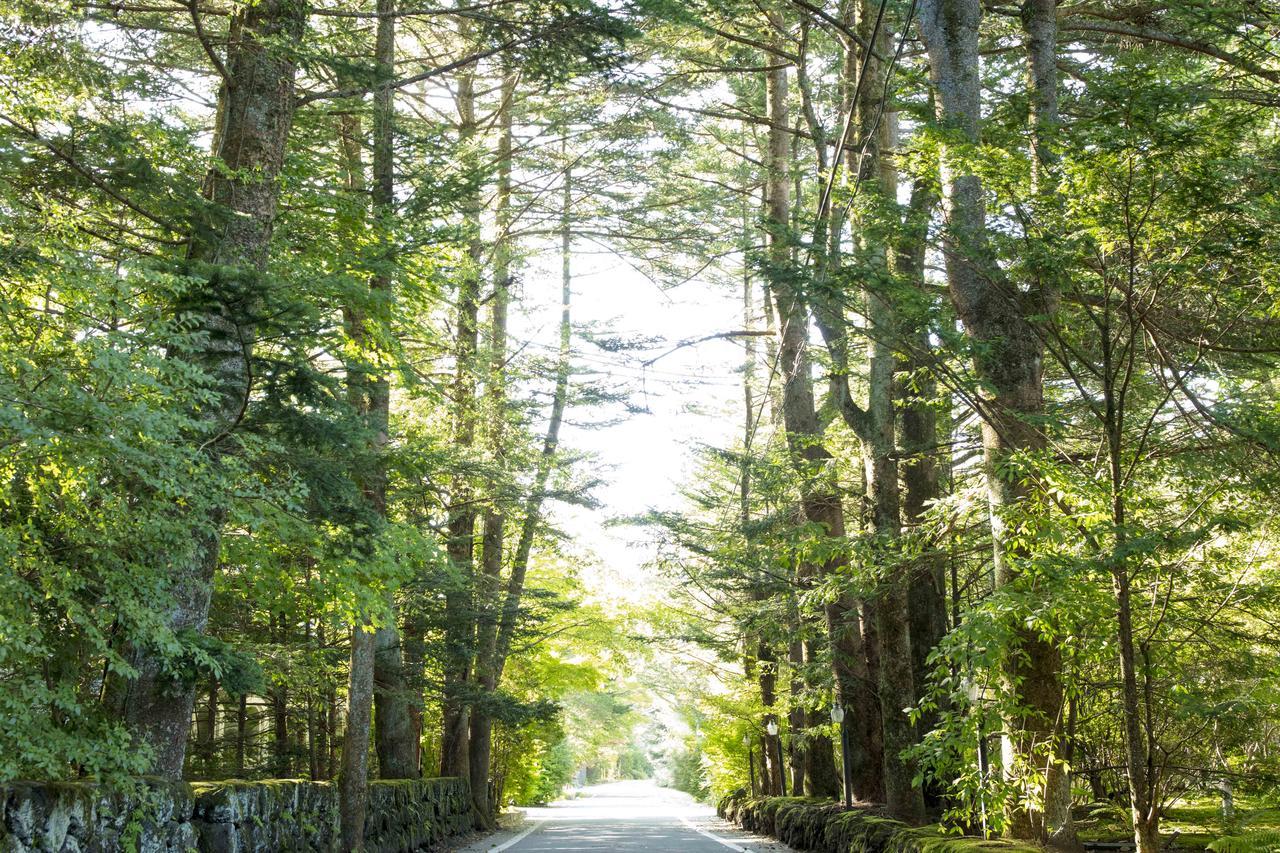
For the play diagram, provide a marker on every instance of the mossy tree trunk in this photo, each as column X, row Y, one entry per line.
column 228, row 247
column 1009, row 362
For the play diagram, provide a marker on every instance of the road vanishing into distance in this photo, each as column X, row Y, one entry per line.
column 626, row 816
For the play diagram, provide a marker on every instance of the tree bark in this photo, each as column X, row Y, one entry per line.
column 822, row 778
column 396, row 736
column 1139, row 757
column 353, row 777
column 921, row 482
column 488, row 590
column 460, row 635
column 1008, row 360
column 768, row 675
column 282, row 764
column 376, row 672
column 551, row 441
column 797, row 720
column 242, row 723
column 206, row 731
column 821, row 504
column 255, row 109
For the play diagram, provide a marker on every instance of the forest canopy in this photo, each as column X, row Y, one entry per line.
column 295, row 397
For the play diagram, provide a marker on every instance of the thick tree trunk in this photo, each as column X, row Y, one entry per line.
column 396, row 734
column 927, row 590
column 820, row 503
column 353, row 777
column 255, row 108
column 1009, row 362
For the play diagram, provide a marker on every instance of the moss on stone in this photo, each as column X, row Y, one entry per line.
column 826, row 827
column 224, row 815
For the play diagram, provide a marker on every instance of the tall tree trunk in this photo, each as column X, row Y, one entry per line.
column 353, row 777
column 255, row 108
column 281, row 751
column 797, row 720
column 1142, row 806
column 768, row 675
column 821, row 504
column 1008, row 361
column 313, row 742
column 822, row 778
column 460, row 634
column 396, row 736
column 242, row 724
column 376, row 673
column 206, row 731
column 511, row 606
column 495, row 647
column 488, row 588
column 331, row 724
column 876, row 429
column 921, row 484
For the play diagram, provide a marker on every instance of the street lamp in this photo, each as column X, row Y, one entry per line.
column 837, row 717
column 977, row 705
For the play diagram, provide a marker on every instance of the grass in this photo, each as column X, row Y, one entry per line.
column 1197, row 820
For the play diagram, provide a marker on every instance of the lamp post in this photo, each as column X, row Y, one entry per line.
column 751, row 761
column 977, row 699
column 837, row 717
column 772, row 728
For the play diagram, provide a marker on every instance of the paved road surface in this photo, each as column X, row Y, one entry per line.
column 626, row 816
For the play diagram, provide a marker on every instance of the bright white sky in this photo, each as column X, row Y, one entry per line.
column 694, row 394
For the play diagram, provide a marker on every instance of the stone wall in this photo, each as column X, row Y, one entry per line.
column 225, row 817
column 826, row 827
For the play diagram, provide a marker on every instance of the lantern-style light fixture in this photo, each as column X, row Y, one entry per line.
column 746, row 739
column 837, row 714
column 977, row 693
column 771, row 728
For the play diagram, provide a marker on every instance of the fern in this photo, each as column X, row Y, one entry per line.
column 1264, row 841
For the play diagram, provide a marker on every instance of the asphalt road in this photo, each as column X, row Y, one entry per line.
column 627, row 816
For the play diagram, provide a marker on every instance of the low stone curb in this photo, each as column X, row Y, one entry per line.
column 822, row 826
column 230, row 816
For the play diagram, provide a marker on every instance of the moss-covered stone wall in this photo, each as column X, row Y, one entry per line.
column 224, row 817
column 826, row 827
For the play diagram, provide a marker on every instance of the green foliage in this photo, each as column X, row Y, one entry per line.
column 688, row 773
column 1253, row 842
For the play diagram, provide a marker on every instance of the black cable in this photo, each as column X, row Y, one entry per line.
column 853, row 105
